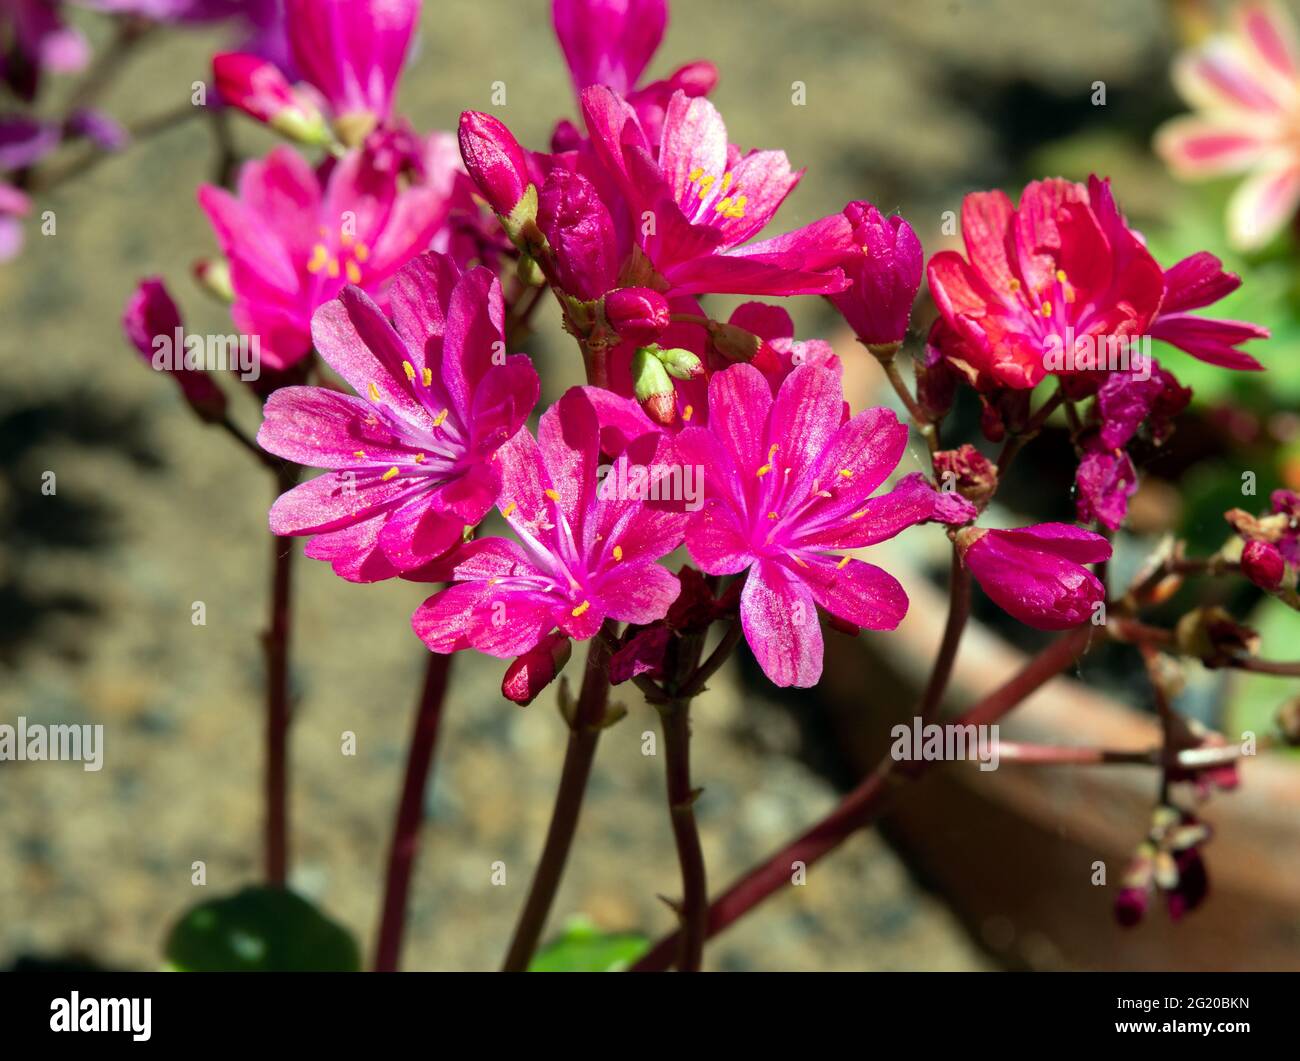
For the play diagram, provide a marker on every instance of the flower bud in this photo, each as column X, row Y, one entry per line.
column 213, row 275
column 652, row 387
column 733, row 343
column 258, row 88
column 150, row 321
column 499, row 167
column 1036, row 573
column 680, row 363
column 970, row 473
column 884, row 276
column 638, row 314
column 1262, row 563
column 532, row 672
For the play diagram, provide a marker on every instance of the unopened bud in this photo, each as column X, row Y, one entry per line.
column 637, row 314
column 733, row 343
column 499, row 167
column 258, row 88
column 1262, row 563
column 532, row 672
column 213, row 275
column 652, row 387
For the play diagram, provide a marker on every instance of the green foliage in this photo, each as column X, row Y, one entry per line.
column 260, row 929
column 583, row 948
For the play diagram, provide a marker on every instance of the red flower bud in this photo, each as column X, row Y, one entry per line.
column 152, row 322
column 494, row 160
column 638, row 314
column 532, row 672
column 1262, row 563
column 258, row 88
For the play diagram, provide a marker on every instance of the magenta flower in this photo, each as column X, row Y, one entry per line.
column 258, row 88
column 1057, row 284
column 153, row 325
column 296, row 236
column 585, row 552
column 884, row 276
column 414, row 459
column 353, row 51
column 1036, row 573
column 788, row 483
column 610, row 43
column 706, row 200
column 37, row 41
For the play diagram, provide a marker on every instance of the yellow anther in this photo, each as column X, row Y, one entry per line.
column 858, row 515
column 361, row 252
column 696, row 174
column 1047, row 309
column 427, row 376
column 772, row 449
column 763, row 470
column 360, row 454
column 801, row 561
column 437, row 420
column 320, row 255
column 722, row 206
column 705, row 184
column 1060, row 275
column 844, row 561
column 1015, row 284
column 773, row 515
column 618, row 552
column 726, row 181
column 345, row 238
column 847, row 473
column 332, row 270
column 409, row 369
column 374, row 392
column 419, row 458
column 688, row 412
column 554, row 495
column 580, row 608
column 354, row 272
column 509, row 509
column 390, row 474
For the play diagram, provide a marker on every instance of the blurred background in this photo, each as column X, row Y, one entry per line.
column 908, row 105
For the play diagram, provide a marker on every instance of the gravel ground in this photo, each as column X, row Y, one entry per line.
column 153, row 513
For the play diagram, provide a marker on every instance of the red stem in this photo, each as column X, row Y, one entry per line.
column 864, row 803
column 410, row 813
column 277, row 714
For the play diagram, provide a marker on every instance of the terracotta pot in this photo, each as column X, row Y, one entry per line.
column 1014, row 849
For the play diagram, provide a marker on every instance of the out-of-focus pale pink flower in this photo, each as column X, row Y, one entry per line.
column 1244, row 85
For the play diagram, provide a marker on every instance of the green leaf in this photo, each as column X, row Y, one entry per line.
column 583, row 948
column 260, row 929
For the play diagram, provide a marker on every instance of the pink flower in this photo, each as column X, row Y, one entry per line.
column 414, row 459
column 610, row 42
column 153, row 325
column 1056, row 285
column 584, row 554
column 353, row 51
column 707, row 199
column 257, row 87
column 788, row 483
column 1036, row 573
column 14, row 206
column 884, row 276
column 295, row 236
column 1244, row 85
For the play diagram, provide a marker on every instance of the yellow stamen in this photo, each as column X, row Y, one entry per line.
column 509, row 509
column 726, row 181
column 763, row 470
column 354, row 272
column 696, row 174
column 773, row 515
column 390, row 474
column 554, row 495
column 374, row 392
column 843, row 562
column 580, row 608
column 1015, row 284
column 332, row 270
column 419, row 458
column 688, row 412
column 858, row 515
column 705, row 184
column 361, row 454
column 618, row 552
column 428, row 377
column 1047, row 309
column 361, row 252
column 437, row 420
column 722, row 206
column 801, row 561
column 1060, row 275
column 847, row 473
column 320, row 255
column 409, row 369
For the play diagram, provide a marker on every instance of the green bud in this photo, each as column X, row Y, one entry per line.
column 680, row 363
column 735, row 344
column 652, row 387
